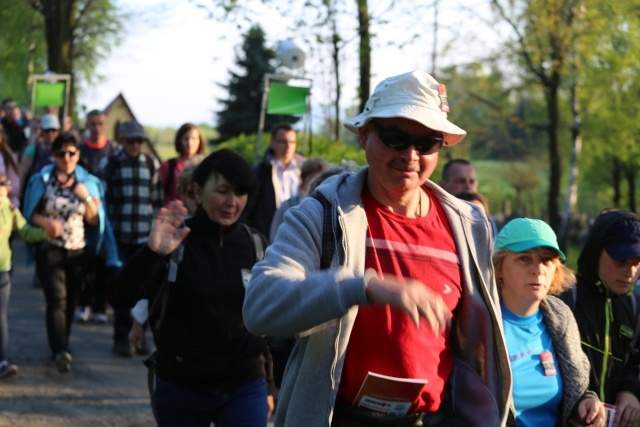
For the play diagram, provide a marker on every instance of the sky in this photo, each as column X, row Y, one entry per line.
column 174, row 57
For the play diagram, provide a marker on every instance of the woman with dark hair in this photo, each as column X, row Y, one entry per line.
column 64, row 199
column 189, row 144
column 9, row 166
column 209, row 368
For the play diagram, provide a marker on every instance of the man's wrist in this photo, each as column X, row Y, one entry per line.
column 369, row 275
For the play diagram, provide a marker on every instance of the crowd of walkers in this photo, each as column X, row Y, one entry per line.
column 334, row 297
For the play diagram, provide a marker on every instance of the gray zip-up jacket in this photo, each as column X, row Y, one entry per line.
column 573, row 363
column 289, row 295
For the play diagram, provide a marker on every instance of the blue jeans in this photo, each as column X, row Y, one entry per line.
column 245, row 406
column 5, row 291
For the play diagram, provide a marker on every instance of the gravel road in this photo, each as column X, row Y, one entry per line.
column 101, row 390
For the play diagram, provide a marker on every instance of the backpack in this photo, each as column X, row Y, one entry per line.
column 282, row 347
column 42, row 157
column 158, row 307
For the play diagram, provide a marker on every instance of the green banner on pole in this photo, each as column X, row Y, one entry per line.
column 49, row 94
column 285, row 99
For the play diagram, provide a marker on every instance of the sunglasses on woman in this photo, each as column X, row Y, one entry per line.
column 398, row 140
column 62, row 154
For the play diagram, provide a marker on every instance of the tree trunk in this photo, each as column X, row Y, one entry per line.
column 60, row 22
column 434, row 53
column 336, row 72
column 365, row 53
column 630, row 175
column 555, row 169
column 617, row 177
column 572, row 187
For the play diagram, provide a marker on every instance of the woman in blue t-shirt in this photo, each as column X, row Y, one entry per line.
column 550, row 371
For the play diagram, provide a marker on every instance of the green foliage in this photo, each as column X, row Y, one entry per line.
column 241, row 113
column 321, row 146
column 22, row 48
column 100, row 28
column 97, row 28
column 501, row 121
column 243, row 144
column 335, row 152
column 610, row 72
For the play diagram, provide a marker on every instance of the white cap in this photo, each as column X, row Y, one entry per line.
column 49, row 121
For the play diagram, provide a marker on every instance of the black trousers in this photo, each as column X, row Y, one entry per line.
column 61, row 272
column 122, row 321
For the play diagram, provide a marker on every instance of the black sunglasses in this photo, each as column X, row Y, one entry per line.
column 5, row 183
column 62, row 154
column 398, row 140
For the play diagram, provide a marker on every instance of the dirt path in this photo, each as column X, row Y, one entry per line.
column 101, row 390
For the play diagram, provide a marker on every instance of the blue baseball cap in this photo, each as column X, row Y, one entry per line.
column 523, row 234
column 622, row 240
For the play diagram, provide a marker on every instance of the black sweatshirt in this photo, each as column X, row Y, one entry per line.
column 203, row 343
column 590, row 308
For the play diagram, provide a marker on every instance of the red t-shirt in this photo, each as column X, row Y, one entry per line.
column 385, row 340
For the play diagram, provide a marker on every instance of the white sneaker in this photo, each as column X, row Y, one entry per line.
column 82, row 314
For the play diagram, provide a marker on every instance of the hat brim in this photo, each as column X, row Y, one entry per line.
column 135, row 135
column 424, row 115
column 622, row 252
column 536, row 243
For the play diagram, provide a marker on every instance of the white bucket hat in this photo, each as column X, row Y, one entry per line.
column 415, row 96
column 49, row 121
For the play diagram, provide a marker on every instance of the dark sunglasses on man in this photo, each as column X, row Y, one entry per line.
column 5, row 183
column 398, row 140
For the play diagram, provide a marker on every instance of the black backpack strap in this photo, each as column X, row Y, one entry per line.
column 170, row 175
column 328, row 240
column 160, row 301
column 159, row 305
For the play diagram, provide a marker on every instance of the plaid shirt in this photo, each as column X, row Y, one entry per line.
column 133, row 193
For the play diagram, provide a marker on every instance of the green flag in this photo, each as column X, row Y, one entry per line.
column 49, row 94
column 285, row 99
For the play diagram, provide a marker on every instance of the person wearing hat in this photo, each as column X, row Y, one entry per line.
column 607, row 311
column 130, row 172
column 38, row 154
column 550, row 370
column 369, row 272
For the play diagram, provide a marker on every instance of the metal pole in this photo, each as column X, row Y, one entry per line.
column 263, row 109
